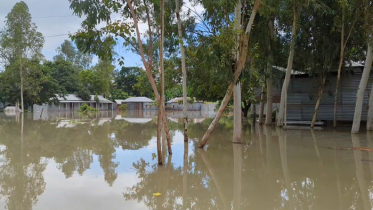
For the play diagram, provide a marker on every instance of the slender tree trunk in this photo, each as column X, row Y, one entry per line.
column 161, row 101
column 370, row 111
column 240, row 64
column 183, row 70
column 321, row 92
column 21, row 76
column 261, row 111
column 281, row 120
column 361, row 90
column 159, row 135
column 148, row 67
column 339, row 72
column 237, row 130
column 268, row 120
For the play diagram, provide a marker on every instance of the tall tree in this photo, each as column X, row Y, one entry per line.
column 68, row 52
column 91, row 38
column 239, row 65
column 368, row 14
column 237, row 130
column 183, row 69
column 20, row 40
column 281, row 117
column 350, row 12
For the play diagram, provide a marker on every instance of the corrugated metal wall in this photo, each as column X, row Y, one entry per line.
column 303, row 94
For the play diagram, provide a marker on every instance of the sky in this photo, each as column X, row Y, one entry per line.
column 55, row 20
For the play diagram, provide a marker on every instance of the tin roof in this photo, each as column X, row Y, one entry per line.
column 74, row 98
column 134, row 100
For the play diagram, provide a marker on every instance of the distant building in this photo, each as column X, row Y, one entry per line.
column 177, row 104
column 71, row 102
column 136, row 103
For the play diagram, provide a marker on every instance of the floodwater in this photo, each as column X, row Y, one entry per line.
column 64, row 161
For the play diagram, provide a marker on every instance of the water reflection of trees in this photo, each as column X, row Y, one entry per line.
column 24, row 153
column 275, row 169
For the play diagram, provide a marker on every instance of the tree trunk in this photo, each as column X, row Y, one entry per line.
column 281, row 120
column 237, row 130
column 339, row 72
column 148, row 67
column 183, row 70
column 159, row 135
column 361, row 90
column 268, row 120
column 161, row 108
column 261, row 111
column 245, row 108
column 240, row 64
column 21, row 76
column 321, row 92
column 370, row 111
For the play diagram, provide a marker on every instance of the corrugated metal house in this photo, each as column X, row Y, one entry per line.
column 137, row 103
column 176, row 104
column 71, row 102
column 303, row 93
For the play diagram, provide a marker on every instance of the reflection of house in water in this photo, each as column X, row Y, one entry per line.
column 134, row 120
column 50, row 116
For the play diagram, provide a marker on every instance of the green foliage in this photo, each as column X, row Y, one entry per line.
column 84, row 108
column 123, row 107
column 143, row 86
column 65, row 75
column 97, row 99
column 84, row 93
column 39, row 86
column 126, row 78
column 118, row 94
column 190, row 101
column 20, row 38
column 68, row 52
column 98, row 79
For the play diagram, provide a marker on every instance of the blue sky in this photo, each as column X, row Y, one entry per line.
column 55, row 20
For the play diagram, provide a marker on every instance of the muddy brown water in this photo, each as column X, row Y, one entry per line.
column 66, row 161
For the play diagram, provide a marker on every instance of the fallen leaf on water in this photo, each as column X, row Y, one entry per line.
column 157, row 194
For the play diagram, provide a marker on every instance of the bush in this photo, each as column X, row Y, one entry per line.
column 190, row 101
column 123, row 107
column 86, row 108
column 84, row 93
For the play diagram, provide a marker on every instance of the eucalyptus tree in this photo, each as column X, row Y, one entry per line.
column 318, row 41
column 68, row 52
column 183, row 69
column 296, row 7
column 238, row 63
column 368, row 31
column 348, row 13
column 100, row 40
column 20, row 41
